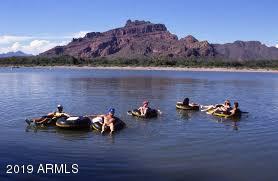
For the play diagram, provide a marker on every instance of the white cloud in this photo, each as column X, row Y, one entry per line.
column 6, row 39
column 35, row 44
column 277, row 46
column 34, row 47
column 16, row 46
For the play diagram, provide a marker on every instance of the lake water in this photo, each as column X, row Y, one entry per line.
column 175, row 146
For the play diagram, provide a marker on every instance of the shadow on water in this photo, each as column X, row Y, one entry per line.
column 234, row 123
column 186, row 114
column 144, row 120
column 65, row 133
column 70, row 134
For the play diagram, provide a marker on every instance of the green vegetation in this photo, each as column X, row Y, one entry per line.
column 155, row 62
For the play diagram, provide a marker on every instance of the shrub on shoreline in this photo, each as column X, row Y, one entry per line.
column 145, row 62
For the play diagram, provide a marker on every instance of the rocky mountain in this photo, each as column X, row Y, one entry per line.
column 145, row 39
column 246, row 50
column 14, row 54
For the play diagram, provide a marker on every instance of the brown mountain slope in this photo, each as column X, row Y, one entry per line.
column 248, row 50
column 135, row 39
column 139, row 39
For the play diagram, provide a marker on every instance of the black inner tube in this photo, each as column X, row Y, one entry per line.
column 80, row 122
column 151, row 113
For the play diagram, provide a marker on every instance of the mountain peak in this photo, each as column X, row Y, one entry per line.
column 189, row 39
column 14, row 54
column 143, row 26
column 136, row 23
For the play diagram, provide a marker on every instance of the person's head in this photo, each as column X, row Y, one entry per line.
column 146, row 103
column 186, row 101
column 60, row 108
column 236, row 104
column 111, row 112
column 227, row 103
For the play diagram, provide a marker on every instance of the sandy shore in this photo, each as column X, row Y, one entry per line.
column 164, row 68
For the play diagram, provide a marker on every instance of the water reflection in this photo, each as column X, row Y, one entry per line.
column 68, row 134
column 186, row 114
column 64, row 133
column 233, row 123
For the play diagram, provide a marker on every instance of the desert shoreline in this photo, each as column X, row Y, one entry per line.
column 185, row 69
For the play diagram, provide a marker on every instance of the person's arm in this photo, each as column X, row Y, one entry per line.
column 232, row 113
column 65, row 114
column 193, row 104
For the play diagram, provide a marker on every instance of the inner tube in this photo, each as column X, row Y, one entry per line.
column 119, row 124
column 50, row 122
column 74, row 122
column 223, row 115
column 183, row 107
column 151, row 113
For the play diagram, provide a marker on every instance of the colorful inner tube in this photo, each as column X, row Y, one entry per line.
column 222, row 115
column 183, row 107
column 74, row 123
column 119, row 124
column 151, row 113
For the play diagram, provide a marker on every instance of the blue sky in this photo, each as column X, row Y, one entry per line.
column 34, row 26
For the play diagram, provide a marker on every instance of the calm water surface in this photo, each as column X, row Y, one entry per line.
column 175, row 146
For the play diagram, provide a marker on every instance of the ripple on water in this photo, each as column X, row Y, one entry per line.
column 176, row 145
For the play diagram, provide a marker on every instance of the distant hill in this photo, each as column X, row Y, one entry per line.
column 14, row 54
column 139, row 39
column 246, row 50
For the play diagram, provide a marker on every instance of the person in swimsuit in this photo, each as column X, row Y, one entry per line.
column 186, row 103
column 109, row 121
column 235, row 111
column 45, row 119
column 144, row 108
column 225, row 108
column 219, row 107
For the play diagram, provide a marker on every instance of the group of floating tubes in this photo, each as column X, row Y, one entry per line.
column 196, row 107
column 87, row 122
column 80, row 122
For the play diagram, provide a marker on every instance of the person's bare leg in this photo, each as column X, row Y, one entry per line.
column 103, row 126
column 37, row 119
column 34, row 120
column 41, row 121
column 111, row 128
